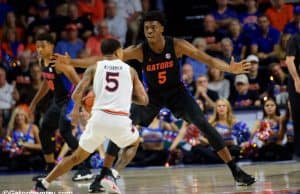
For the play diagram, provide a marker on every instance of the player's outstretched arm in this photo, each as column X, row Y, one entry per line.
column 183, row 47
column 139, row 95
column 61, row 60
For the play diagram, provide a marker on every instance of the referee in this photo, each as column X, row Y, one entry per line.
column 293, row 63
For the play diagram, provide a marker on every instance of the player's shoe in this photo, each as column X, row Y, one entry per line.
column 39, row 187
column 96, row 187
column 84, row 174
column 39, row 177
column 110, row 185
column 242, row 178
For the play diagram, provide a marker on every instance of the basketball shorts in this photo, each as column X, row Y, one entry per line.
column 103, row 126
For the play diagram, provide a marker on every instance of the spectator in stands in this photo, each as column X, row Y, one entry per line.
column 194, row 146
column 188, row 78
column 211, row 34
column 217, row 82
column 8, row 95
column 250, row 16
column 43, row 20
column 26, row 136
column 93, row 43
column 207, row 96
column 20, row 71
column 94, row 9
column 198, row 67
column 229, row 127
column 153, row 152
column 257, row 79
column 227, row 50
column 286, row 133
column 267, row 39
column 223, row 14
column 83, row 23
column 117, row 25
column 10, row 22
column 5, row 8
column 293, row 27
column 279, row 82
column 72, row 45
column 10, row 46
column 243, row 97
column 131, row 10
column 280, row 14
column 238, row 39
column 266, row 133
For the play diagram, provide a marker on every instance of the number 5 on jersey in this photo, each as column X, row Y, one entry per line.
column 112, row 81
column 162, row 77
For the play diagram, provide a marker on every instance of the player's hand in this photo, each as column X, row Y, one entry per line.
column 297, row 86
column 239, row 67
column 59, row 59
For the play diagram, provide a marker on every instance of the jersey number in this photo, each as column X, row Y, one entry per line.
column 112, row 81
column 162, row 77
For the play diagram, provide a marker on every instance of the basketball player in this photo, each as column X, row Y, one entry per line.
column 60, row 81
column 116, row 85
column 293, row 64
column 159, row 57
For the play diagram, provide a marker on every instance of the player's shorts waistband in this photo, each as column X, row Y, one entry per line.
column 120, row 113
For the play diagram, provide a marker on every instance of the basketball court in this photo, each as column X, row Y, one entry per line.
column 272, row 178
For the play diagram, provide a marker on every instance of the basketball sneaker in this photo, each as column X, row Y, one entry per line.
column 96, row 187
column 242, row 178
column 83, row 174
column 39, row 177
column 39, row 187
column 109, row 184
column 47, row 170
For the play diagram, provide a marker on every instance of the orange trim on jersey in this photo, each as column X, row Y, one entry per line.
column 115, row 112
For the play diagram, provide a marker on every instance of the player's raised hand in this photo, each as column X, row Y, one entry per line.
column 239, row 67
column 59, row 59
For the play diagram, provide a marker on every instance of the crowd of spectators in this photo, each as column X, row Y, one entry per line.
column 253, row 30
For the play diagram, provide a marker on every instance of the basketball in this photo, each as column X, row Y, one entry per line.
column 88, row 101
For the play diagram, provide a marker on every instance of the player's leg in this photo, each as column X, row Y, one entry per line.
column 47, row 137
column 63, row 167
column 294, row 98
column 89, row 141
column 65, row 127
column 123, row 134
column 186, row 107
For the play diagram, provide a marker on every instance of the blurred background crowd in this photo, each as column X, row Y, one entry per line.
column 254, row 30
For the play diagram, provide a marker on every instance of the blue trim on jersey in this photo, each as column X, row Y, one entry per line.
column 67, row 83
column 144, row 80
column 69, row 108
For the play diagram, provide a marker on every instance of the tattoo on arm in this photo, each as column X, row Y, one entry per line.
column 83, row 85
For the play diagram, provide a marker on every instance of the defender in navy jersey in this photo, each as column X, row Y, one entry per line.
column 159, row 55
column 60, row 82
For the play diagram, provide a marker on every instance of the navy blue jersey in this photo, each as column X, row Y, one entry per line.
column 58, row 83
column 161, row 70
